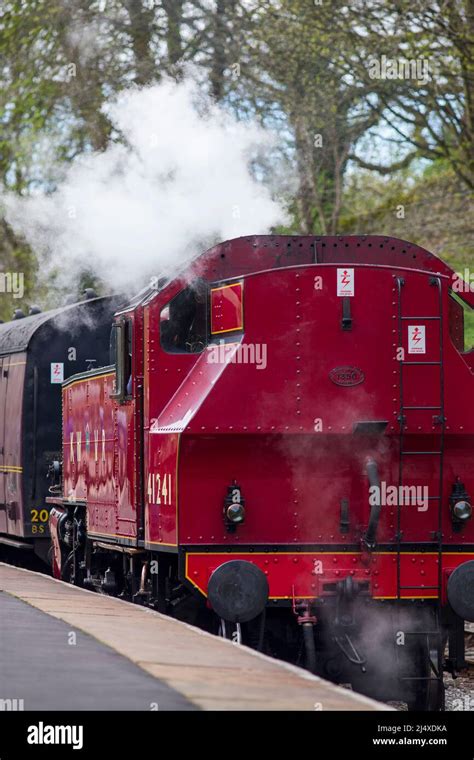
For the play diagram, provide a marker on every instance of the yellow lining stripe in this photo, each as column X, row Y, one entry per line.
column 111, row 535
column 298, row 554
column 299, row 596
column 159, row 543
column 10, row 468
column 231, row 329
column 86, row 379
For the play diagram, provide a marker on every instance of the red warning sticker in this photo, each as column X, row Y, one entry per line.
column 345, row 282
column 416, row 339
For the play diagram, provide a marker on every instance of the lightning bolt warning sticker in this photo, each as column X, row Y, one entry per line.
column 416, row 339
column 345, row 282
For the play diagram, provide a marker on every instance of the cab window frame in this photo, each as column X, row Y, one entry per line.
column 122, row 349
column 184, row 315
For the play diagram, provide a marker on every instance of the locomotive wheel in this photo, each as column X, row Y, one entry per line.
column 68, row 572
column 396, row 670
column 425, row 695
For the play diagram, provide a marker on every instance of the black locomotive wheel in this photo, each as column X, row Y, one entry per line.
column 424, row 689
column 69, row 571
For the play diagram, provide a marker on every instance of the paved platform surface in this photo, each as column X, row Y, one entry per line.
column 36, row 648
column 127, row 657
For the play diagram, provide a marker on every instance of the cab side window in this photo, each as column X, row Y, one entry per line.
column 184, row 322
column 461, row 324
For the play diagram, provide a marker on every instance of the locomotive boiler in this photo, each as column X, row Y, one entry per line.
column 280, row 450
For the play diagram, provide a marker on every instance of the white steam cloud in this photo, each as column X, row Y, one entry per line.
column 180, row 182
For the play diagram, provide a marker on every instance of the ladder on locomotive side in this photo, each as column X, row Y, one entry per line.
column 438, row 453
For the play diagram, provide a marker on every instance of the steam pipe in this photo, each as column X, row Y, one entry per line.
column 370, row 537
column 310, row 647
column 143, row 578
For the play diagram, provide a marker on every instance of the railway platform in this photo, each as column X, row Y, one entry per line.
column 65, row 648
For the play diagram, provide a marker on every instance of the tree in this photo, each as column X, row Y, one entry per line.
column 291, row 66
column 425, row 81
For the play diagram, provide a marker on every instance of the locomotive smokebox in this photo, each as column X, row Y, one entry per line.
column 460, row 591
column 238, row 591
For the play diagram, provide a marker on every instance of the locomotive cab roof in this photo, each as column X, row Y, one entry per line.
column 245, row 255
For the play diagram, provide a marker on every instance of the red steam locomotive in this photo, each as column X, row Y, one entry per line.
column 280, row 450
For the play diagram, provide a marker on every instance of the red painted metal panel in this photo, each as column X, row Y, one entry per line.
column 161, row 499
column 89, row 425
column 102, row 451
column 227, row 308
column 260, row 425
column 311, row 574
